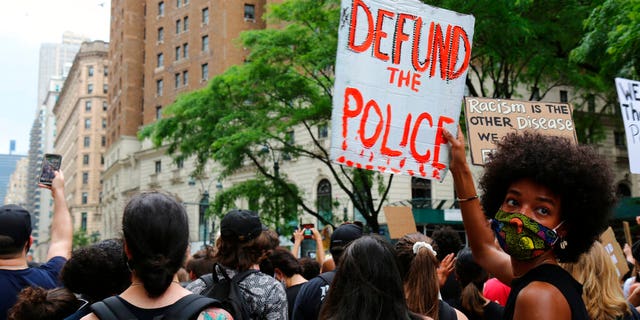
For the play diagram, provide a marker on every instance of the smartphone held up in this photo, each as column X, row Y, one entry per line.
column 50, row 163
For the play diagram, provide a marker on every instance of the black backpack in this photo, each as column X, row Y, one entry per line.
column 228, row 292
column 187, row 307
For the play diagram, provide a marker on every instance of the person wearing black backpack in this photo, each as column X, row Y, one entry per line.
column 156, row 236
column 243, row 290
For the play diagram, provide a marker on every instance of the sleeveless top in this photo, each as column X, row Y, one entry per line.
column 559, row 278
column 142, row 313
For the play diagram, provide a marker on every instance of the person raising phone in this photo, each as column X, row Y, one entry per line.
column 15, row 241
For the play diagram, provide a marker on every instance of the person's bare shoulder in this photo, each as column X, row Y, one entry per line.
column 215, row 314
column 90, row 316
column 541, row 300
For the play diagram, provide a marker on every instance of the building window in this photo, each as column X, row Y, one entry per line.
column 186, row 2
column 105, row 71
column 160, row 60
column 105, row 88
column 103, row 141
column 87, row 105
column 161, row 8
column 591, row 103
column 324, row 200
column 90, row 88
column 85, row 178
column 205, row 43
column 104, row 105
column 90, row 71
column 619, row 138
column 185, row 22
column 87, row 142
column 180, row 163
column 178, row 23
column 104, row 123
column 158, row 112
column 205, row 16
column 159, row 86
column 160, row 34
column 249, row 12
column 178, row 48
column 563, row 96
column 101, row 159
column 83, row 221
column 178, row 3
column 420, row 189
column 177, row 80
column 185, row 78
column 158, row 166
column 185, row 50
column 85, row 198
column 87, row 123
column 85, row 159
column 323, row 131
column 205, row 71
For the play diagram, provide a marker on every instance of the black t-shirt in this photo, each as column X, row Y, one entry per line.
column 559, row 278
column 292, row 293
column 311, row 295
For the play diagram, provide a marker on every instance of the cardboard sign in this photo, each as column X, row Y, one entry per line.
column 488, row 120
column 612, row 247
column 400, row 221
column 400, row 74
column 629, row 97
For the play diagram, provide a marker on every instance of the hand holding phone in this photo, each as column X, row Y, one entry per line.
column 306, row 231
column 50, row 164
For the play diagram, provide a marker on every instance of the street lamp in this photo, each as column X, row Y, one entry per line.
column 203, row 205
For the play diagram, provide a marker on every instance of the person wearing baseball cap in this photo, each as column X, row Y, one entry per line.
column 15, row 241
column 312, row 294
column 243, row 243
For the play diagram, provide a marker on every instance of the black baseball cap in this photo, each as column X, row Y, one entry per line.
column 15, row 223
column 241, row 225
column 344, row 234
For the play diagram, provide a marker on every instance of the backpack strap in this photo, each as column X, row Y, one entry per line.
column 327, row 277
column 189, row 306
column 112, row 309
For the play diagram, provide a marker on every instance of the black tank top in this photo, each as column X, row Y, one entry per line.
column 559, row 278
column 144, row 314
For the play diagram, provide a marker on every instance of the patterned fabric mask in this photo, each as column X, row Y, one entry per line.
column 522, row 237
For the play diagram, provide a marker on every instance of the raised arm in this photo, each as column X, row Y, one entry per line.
column 481, row 237
column 319, row 246
column 61, row 225
column 297, row 240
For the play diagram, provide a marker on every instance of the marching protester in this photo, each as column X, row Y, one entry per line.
column 548, row 200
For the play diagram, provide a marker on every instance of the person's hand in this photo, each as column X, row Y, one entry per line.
column 57, row 184
column 458, row 156
column 634, row 294
column 316, row 235
column 298, row 236
column 445, row 268
column 627, row 253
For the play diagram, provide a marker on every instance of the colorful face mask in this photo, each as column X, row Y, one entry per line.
column 522, row 237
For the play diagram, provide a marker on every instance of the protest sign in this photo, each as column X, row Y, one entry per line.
column 401, row 67
column 488, row 120
column 611, row 245
column 629, row 97
column 400, row 221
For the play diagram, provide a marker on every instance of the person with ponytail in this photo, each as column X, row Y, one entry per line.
column 418, row 264
column 472, row 277
column 156, row 237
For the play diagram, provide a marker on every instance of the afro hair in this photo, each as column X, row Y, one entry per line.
column 575, row 173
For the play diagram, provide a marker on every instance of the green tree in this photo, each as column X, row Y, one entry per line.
column 80, row 239
column 246, row 116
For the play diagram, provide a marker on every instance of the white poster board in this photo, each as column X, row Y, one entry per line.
column 400, row 75
column 629, row 97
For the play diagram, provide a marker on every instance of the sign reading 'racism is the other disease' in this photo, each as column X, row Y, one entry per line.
column 629, row 96
column 400, row 75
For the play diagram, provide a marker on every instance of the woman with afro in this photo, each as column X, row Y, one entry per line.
column 547, row 200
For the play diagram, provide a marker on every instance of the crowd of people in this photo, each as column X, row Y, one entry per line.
column 533, row 253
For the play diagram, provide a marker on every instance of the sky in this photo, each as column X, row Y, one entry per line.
column 24, row 26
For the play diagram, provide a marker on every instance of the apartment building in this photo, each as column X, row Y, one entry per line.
column 158, row 50
column 81, row 124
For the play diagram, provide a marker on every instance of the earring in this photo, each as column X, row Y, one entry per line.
column 563, row 244
column 128, row 267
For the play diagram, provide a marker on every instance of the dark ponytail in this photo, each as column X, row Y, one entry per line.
column 156, row 232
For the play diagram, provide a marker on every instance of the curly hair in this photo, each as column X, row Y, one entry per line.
column 97, row 271
column 446, row 240
column 41, row 304
column 577, row 174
